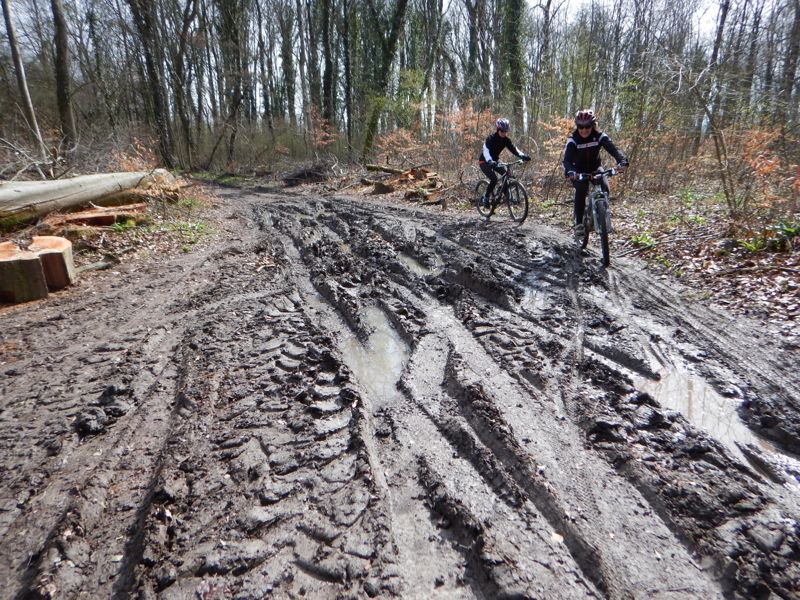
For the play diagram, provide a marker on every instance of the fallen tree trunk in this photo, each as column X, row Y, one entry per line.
column 25, row 201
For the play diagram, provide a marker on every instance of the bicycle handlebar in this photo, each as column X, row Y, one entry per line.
column 590, row 176
column 510, row 164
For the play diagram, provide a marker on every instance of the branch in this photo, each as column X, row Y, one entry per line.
column 391, row 170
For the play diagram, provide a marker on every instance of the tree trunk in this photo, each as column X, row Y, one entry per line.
column 511, row 57
column 63, row 84
column 328, row 75
column 707, row 96
column 26, row 200
column 22, row 83
column 264, row 74
column 181, row 83
column 787, row 108
column 471, row 76
column 389, row 52
column 286, row 20
column 143, row 12
column 314, row 85
column 301, row 63
column 347, row 15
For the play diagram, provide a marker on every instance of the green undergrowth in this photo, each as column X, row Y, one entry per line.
column 219, row 178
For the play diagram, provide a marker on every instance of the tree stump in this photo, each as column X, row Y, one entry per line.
column 21, row 275
column 56, row 256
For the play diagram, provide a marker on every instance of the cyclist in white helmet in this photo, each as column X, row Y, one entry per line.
column 582, row 155
column 490, row 153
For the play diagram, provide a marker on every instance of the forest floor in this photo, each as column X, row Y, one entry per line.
column 304, row 392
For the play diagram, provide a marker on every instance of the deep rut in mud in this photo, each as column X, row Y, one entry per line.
column 344, row 398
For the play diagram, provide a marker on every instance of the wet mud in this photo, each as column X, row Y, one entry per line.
column 350, row 399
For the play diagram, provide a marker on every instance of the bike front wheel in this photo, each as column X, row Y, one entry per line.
column 480, row 190
column 517, row 201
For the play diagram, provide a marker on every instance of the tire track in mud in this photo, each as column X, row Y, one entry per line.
column 92, row 429
column 634, row 432
column 760, row 374
column 578, row 546
column 627, row 358
column 88, row 486
column 271, row 451
column 280, row 446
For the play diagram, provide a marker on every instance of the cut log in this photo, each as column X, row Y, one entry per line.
column 385, row 169
column 421, row 173
column 56, row 256
column 100, row 216
column 24, row 201
column 21, row 275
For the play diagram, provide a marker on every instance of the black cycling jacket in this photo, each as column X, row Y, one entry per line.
column 582, row 155
column 494, row 145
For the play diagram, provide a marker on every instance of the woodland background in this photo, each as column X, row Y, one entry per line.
column 696, row 93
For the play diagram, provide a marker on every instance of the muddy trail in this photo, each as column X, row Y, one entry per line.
column 348, row 399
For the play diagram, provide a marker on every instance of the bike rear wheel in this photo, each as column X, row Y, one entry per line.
column 480, row 190
column 517, row 201
column 602, row 224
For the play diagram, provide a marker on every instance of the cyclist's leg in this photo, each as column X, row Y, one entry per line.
column 579, row 203
column 491, row 176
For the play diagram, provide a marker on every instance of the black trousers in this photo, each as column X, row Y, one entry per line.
column 490, row 175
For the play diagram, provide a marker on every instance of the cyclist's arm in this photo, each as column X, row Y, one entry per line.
column 513, row 149
column 486, row 155
column 569, row 158
column 606, row 143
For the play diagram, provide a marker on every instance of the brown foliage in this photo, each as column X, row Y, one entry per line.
column 136, row 156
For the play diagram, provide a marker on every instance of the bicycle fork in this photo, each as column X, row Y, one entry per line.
column 598, row 207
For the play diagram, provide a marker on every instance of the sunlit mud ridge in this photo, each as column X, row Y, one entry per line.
column 352, row 399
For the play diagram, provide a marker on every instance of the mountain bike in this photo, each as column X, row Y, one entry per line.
column 597, row 213
column 508, row 189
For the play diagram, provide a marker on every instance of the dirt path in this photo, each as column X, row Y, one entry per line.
column 348, row 399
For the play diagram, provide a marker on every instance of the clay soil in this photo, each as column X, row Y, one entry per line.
column 341, row 397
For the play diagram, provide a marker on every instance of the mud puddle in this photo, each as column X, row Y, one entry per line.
column 379, row 361
column 417, row 268
column 702, row 406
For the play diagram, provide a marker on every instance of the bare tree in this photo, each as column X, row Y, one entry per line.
column 22, row 83
column 63, row 83
column 144, row 17
column 388, row 51
column 786, row 107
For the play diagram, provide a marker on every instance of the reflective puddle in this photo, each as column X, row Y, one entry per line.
column 706, row 409
column 417, row 267
column 379, row 362
column 534, row 296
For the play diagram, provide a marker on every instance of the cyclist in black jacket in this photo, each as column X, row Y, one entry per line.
column 492, row 147
column 582, row 155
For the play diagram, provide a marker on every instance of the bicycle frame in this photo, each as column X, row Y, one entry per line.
column 503, row 182
column 597, row 212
